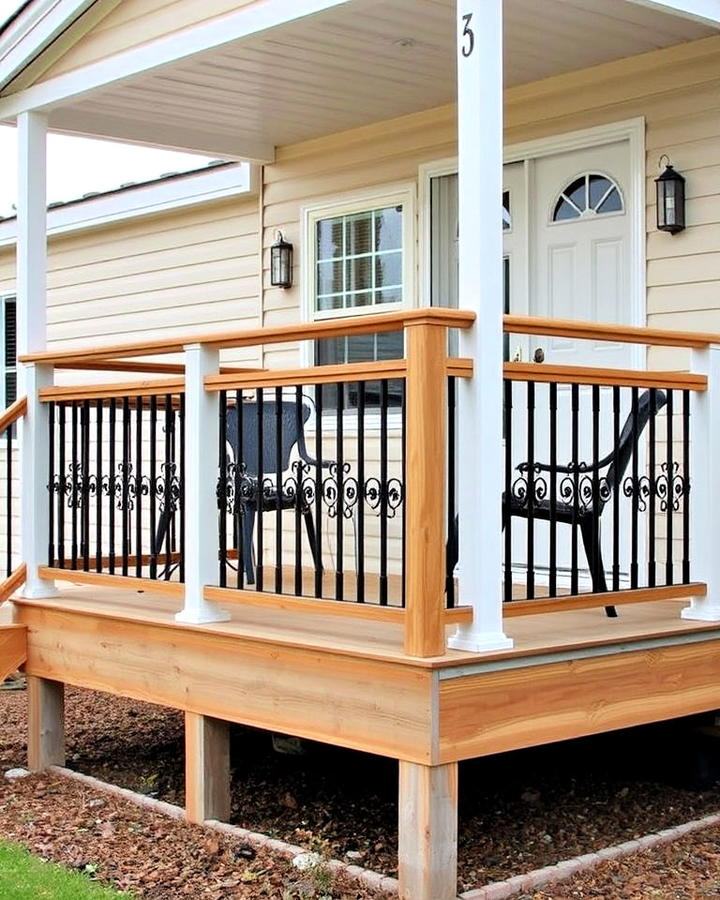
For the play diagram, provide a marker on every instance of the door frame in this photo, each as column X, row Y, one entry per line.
column 630, row 130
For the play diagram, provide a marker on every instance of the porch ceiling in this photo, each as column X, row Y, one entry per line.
column 356, row 63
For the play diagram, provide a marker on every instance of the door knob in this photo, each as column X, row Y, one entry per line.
column 539, row 355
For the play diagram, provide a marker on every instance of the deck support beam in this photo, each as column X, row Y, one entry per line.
column 480, row 287
column 207, row 768
column 427, row 831
column 46, row 723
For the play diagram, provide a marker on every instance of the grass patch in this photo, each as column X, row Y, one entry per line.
column 25, row 877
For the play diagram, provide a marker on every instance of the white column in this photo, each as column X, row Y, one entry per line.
column 201, row 473
column 480, row 162
column 32, row 337
column 705, row 486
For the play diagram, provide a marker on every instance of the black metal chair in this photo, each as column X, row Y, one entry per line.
column 586, row 505
column 282, row 431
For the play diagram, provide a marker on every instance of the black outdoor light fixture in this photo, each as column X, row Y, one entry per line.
column 281, row 262
column 670, row 187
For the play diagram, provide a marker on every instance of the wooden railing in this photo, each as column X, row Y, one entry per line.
column 14, row 569
column 363, row 522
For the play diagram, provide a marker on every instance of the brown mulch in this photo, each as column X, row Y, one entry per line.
column 518, row 811
column 687, row 869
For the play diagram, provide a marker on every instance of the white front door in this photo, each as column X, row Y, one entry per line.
column 567, row 223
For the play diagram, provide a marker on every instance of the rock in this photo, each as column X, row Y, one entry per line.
column 12, row 774
column 96, row 804
column 305, row 861
column 354, row 855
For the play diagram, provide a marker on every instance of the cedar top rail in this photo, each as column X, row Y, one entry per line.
column 598, row 331
column 346, row 327
column 682, row 381
column 14, row 412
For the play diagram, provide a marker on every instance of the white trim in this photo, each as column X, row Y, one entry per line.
column 404, row 194
column 37, row 26
column 631, row 130
column 144, row 200
column 705, row 11
column 241, row 23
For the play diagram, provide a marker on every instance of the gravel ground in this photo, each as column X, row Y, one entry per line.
column 518, row 811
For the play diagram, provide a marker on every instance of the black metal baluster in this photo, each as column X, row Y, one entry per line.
column 138, row 486
column 8, row 499
column 652, row 487
column 85, row 484
column 340, row 477
column 51, row 483
column 552, row 560
column 222, row 490
column 616, row 487
column 530, row 574
column 279, row 492
column 74, row 485
column 596, row 501
column 259, row 406
column 111, row 485
column 125, row 485
column 318, row 488
column 153, row 484
column 686, row 489
column 99, row 485
column 61, row 486
column 360, row 574
column 384, row 492
column 450, row 527
column 575, row 413
column 181, row 416
column 669, row 568
column 299, row 499
column 403, row 482
column 168, row 510
column 634, row 545
column 507, row 411
column 239, row 480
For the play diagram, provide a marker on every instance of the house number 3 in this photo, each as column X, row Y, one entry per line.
column 468, row 35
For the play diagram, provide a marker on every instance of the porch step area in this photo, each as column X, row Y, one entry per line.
column 13, row 648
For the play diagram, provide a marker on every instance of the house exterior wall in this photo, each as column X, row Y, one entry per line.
column 187, row 270
column 677, row 91
column 136, row 22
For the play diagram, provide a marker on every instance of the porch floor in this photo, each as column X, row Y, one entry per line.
column 532, row 635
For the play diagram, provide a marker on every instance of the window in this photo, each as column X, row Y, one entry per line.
column 589, row 195
column 8, row 373
column 360, row 263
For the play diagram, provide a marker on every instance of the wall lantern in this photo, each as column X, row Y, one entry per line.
column 281, row 262
column 670, row 187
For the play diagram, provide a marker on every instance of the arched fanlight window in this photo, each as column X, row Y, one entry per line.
column 589, row 195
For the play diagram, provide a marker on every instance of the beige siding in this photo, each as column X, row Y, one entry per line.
column 676, row 90
column 189, row 271
column 136, row 22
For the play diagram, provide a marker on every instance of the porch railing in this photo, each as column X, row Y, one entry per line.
column 334, row 488
column 13, row 570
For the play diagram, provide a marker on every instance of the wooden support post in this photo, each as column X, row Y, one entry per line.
column 426, row 351
column 207, row 768
column 46, row 723
column 427, row 852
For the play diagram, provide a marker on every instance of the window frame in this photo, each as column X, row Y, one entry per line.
column 5, row 370
column 348, row 205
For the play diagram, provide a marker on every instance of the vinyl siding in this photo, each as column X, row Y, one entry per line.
column 187, row 271
column 136, row 22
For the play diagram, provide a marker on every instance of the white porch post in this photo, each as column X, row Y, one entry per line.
column 201, row 524
column 705, row 480
column 480, row 161
column 32, row 337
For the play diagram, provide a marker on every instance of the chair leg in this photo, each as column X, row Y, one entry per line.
column 162, row 534
column 593, row 551
column 312, row 537
column 248, row 527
